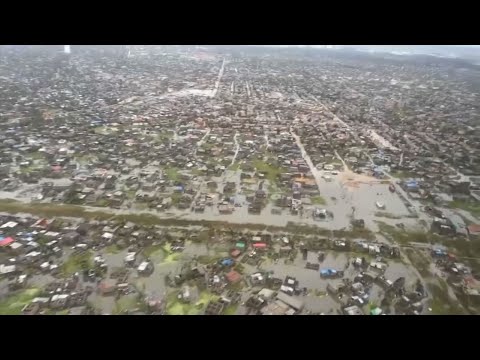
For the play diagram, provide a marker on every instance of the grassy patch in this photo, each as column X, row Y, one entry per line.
column 77, row 263
column 31, row 168
column 402, row 175
column 404, row 237
column 472, row 208
column 152, row 250
column 176, row 198
column 239, row 268
column 441, row 303
column 176, row 307
column 101, row 203
column 386, row 215
column 319, row 293
column 141, row 206
column 170, row 256
column 271, row 171
column 85, row 159
column 318, row 200
column 231, row 310
column 171, row 173
column 197, row 172
column 234, row 166
column 131, row 194
column 112, row 249
column 419, row 261
column 357, row 233
column 62, row 312
column 384, row 227
column 239, row 286
column 37, row 155
column 165, row 135
column 208, row 259
column 207, row 145
column 14, row 304
column 125, row 303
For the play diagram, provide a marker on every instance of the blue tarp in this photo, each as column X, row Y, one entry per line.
column 411, row 184
column 227, row 262
column 328, row 271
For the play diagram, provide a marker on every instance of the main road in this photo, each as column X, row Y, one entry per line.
column 307, row 159
column 237, row 147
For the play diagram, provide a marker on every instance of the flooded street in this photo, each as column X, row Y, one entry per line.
column 344, row 199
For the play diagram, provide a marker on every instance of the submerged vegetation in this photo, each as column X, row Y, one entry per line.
column 177, row 307
column 441, row 303
column 77, row 262
column 318, row 200
column 472, row 208
column 14, row 304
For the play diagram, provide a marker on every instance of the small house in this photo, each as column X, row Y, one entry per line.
column 233, row 277
column 352, row 310
column 235, row 253
column 214, row 308
column 145, row 268
column 107, row 287
column 291, row 301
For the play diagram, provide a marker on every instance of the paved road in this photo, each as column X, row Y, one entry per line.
column 345, row 166
column 219, row 79
column 237, row 148
column 307, row 159
column 202, row 140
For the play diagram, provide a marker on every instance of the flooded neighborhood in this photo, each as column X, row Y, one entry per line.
column 216, row 181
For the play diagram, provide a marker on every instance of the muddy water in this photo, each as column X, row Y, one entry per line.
column 397, row 269
column 456, row 219
column 317, row 300
column 193, row 249
column 40, row 280
column 153, row 284
column 322, row 304
column 307, row 278
column 341, row 200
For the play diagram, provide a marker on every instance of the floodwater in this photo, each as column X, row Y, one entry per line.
column 344, row 201
column 340, row 200
column 25, row 192
column 40, row 280
column 154, row 284
column 317, row 301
